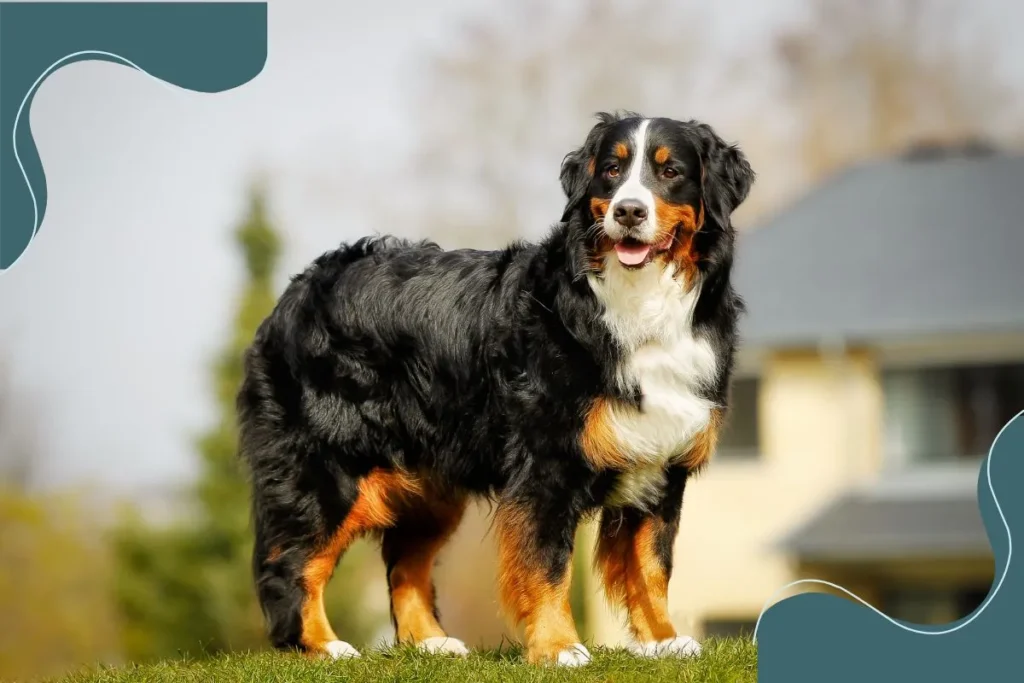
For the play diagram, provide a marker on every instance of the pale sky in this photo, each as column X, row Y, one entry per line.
column 112, row 316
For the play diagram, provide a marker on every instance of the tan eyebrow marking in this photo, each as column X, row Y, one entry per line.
column 661, row 155
column 620, row 150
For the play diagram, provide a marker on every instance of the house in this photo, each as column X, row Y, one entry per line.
column 882, row 351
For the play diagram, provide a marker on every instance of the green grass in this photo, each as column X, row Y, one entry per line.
column 721, row 661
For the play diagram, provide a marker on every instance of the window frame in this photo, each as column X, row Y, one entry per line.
column 751, row 453
column 895, row 460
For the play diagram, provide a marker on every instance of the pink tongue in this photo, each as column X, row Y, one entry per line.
column 632, row 254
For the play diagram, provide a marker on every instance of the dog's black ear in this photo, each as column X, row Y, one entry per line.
column 578, row 166
column 726, row 175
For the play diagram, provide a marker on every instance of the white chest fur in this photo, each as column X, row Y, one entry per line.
column 650, row 314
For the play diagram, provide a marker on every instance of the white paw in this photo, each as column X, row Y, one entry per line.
column 339, row 649
column 680, row 646
column 576, row 655
column 443, row 645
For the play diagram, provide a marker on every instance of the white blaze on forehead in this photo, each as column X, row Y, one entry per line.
column 633, row 188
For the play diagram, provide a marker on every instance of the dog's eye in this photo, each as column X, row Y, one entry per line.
column 669, row 172
column 612, row 171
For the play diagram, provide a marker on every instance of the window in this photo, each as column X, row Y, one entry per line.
column 931, row 607
column 740, row 438
column 729, row 628
column 949, row 413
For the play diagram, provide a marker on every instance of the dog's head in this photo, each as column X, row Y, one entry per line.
column 643, row 188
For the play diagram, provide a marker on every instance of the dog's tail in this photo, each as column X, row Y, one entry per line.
column 278, row 578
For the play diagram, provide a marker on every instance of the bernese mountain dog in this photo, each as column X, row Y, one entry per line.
column 585, row 374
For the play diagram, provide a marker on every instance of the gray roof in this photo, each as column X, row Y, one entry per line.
column 863, row 528
column 890, row 249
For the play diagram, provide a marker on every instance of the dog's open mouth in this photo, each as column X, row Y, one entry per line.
column 633, row 253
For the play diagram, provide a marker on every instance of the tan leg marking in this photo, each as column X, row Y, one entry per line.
column 527, row 592
column 381, row 493
column 412, row 589
column 634, row 576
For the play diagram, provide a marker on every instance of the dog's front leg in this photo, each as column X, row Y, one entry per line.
column 634, row 555
column 535, row 544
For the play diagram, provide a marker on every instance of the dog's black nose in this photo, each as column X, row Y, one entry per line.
column 630, row 213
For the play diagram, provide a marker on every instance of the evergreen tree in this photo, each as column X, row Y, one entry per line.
column 188, row 588
column 222, row 491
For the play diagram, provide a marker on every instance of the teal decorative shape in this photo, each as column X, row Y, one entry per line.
column 818, row 637
column 202, row 46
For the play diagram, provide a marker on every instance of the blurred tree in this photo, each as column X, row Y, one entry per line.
column 188, row 587
column 873, row 77
column 503, row 102
column 223, row 492
column 515, row 91
column 19, row 450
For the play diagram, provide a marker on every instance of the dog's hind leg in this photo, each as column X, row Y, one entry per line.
column 291, row 572
column 410, row 549
column 292, row 575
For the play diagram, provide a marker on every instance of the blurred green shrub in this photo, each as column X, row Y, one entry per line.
column 55, row 611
